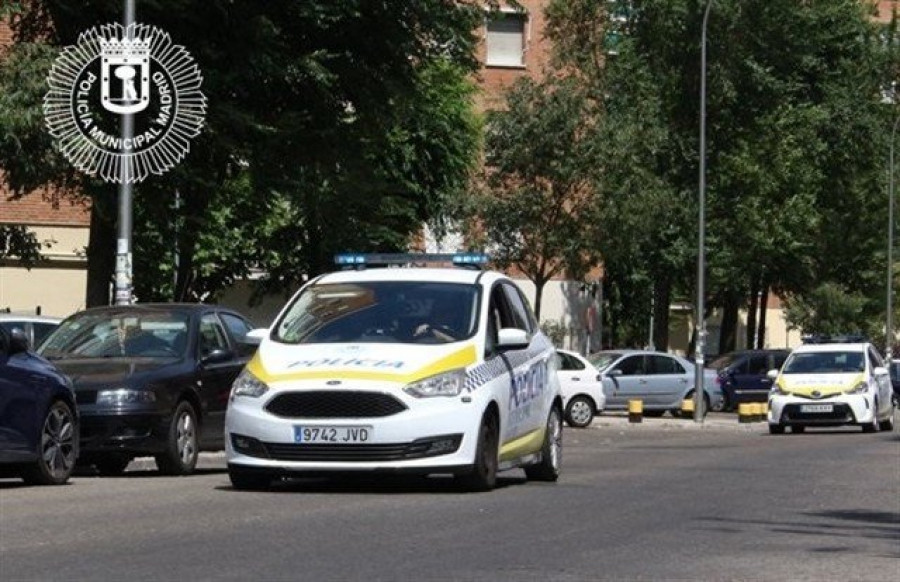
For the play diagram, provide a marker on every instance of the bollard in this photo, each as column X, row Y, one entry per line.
column 635, row 410
column 755, row 411
column 745, row 413
column 687, row 408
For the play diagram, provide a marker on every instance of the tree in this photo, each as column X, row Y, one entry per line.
column 829, row 309
column 320, row 135
column 534, row 210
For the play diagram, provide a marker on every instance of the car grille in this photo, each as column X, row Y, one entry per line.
column 418, row 449
column 334, row 404
column 840, row 414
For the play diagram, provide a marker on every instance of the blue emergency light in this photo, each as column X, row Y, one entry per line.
column 362, row 260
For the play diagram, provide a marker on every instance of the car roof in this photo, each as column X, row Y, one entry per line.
column 431, row 274
column 150, row 307
column 29, row 318
column 831, row 347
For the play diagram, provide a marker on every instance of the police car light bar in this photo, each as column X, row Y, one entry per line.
column 361, row 260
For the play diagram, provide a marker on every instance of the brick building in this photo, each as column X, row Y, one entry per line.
column 61, row 222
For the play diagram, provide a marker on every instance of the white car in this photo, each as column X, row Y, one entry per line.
column 419, row 370
column 36, row 327
column 582, row 389
column 831, row 384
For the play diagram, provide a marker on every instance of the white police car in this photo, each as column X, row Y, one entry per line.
column 421, row 370
column 831, row 384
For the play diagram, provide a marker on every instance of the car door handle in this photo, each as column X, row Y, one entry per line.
column 575, row 379
column 642, row 381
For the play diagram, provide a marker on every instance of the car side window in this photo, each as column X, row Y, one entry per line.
column 758, row 364
column 778, row 360
column 875, row 360
column 632, row 366
column 568, row 363
column 664, row 365
column 518, row 310
column 212, row 336
column 4, row 342
column 238, row 327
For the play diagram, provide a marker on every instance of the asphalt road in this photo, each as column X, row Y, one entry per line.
column 663, row 500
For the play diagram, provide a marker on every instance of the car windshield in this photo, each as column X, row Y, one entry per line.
column 383, row 311
column 156, row 334
column 602, row 360
column 841, row 362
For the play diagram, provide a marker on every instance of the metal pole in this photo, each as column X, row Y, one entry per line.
column 889, row 319
column 124, row 287
column 701, row 244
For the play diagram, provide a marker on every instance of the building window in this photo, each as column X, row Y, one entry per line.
column 506, row 40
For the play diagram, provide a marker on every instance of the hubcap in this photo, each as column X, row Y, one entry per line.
column 554, row 430
column 185, row 437
column 580, row 412
column 58, row 442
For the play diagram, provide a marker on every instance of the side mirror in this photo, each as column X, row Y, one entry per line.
column 772, row 374
column 18, row 341
column 512, row 338
column 217, row 356
column 880, row 371
column 614, row 373
column 255, row 336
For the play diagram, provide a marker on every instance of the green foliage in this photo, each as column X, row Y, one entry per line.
column 828, row 309
column 556, row 330
column 535, row 210
column 17, row 242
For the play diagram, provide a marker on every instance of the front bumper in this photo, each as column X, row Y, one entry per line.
column 431, row 435
column 793, row 410
column 138, row 433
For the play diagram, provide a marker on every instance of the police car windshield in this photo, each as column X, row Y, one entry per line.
column 842, row 362
column 418, row 312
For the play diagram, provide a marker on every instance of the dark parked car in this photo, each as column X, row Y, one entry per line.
column 151, row 380
column 38, row 417
column 894, row 369
column 742, row 374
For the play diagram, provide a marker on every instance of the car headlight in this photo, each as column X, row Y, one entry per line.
column 777, row 391
column 860, row 388
column 445, row 384
column 122, row 396
column 246, row 384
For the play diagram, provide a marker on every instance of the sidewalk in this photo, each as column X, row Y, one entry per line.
column 713, row 421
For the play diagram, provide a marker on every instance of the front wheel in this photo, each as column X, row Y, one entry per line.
column 483, row 476
column 551, row 451
column 180, row 456
column 58, row 448
column 580, row 412
column 776, row 429
column 873, row 426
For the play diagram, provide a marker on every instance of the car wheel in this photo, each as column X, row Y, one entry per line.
column 871, row 427
column 579, row 412
column 483, row 476
column 58, row 444
column 249, row 480
column 888, row 423
column 112, row 465
column 776, row 429
column 551, row 451
column 654, row 413
column 180, row 456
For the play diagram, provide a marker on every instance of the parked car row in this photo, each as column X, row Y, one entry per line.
column 112, row 383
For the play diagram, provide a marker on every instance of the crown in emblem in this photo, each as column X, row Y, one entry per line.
column 125, row 48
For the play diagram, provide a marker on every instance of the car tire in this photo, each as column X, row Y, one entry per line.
column 776, row 429
column 888, row 423
column 871, row 427
column 483, row 476
column 653, row 413
column 249, row 480
column 551, row 451
column 111, row 465
column 59, row 441
column 180, row 456
column 580, row 412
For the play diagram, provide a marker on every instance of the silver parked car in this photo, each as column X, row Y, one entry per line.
column 35, row 327
column 659, row 379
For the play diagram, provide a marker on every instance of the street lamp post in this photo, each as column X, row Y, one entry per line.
column 701, row 244
column 889, row 319
column 123, row 277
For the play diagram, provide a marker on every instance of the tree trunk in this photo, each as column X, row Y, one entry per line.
column 728, row 331
column 751, row 312
column 538, row 295
column 662, row 297
column 101, row 250
column 763, row 304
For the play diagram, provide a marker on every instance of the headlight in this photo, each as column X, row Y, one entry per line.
column 777, row 391
column 121, row 396
column 246, row 384
column 860, row 388
column 445, row 384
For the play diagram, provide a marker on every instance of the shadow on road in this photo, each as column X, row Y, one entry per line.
column 375, row 485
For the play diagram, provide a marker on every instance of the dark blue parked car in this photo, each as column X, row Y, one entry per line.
column 38, row 417
column 742, row 374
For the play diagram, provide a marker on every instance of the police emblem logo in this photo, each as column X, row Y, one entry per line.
column 114, row 71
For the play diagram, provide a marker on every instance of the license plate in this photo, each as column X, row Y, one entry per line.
column 816, row 408
column 332, row 434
